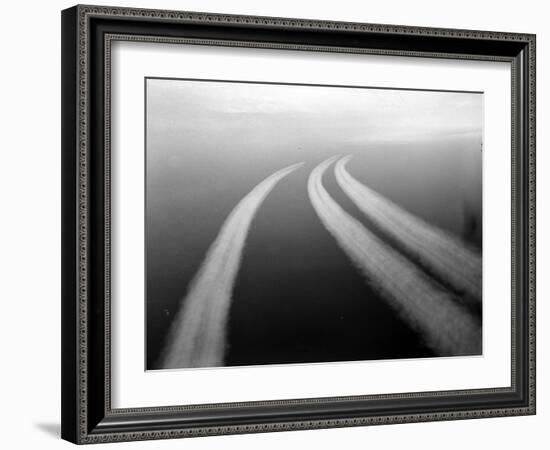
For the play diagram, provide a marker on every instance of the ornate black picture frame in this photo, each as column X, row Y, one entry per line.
column 87, row 34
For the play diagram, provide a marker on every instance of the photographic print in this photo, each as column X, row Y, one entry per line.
column 276, row 205
column 296, row 223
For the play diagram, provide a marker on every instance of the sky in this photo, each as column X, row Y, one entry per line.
column 333, row 114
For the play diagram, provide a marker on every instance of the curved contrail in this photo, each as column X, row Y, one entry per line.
column 446, row 327
column 197, row 335
column 440, row 253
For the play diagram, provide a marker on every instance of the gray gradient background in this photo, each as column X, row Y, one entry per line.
column 297, row 298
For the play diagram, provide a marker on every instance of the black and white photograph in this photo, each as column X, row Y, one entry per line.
column 278, row 219
column 296, row 223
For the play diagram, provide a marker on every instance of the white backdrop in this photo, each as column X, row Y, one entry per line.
column 30, row 237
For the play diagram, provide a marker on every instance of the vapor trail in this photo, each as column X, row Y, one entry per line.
column 197, row 335
column 440, row 253
column 446, row 327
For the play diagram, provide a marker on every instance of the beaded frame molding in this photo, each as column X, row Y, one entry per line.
column 87, row 35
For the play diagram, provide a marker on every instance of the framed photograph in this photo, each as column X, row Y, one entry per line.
column 276, row 224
